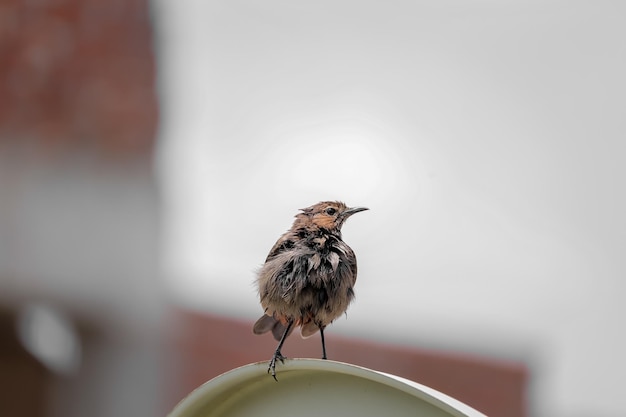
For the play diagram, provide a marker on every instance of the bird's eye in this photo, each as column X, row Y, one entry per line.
column 330, row 211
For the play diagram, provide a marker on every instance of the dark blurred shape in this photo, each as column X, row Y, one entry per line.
column 78, row 73
column 208, row 346
column 24, row 381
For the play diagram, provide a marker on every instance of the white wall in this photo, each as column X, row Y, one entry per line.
column 486, row 137
column 79, row 234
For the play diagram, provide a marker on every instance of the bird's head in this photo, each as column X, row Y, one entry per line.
column 329, row 215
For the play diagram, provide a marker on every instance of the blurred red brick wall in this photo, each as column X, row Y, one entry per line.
column 78, row 74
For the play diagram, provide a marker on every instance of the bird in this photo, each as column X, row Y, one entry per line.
column 308, row 277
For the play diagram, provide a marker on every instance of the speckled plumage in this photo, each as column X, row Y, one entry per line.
column 308, row 277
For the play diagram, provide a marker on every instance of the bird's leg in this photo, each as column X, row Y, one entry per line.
column 323, row 344
column 277, row 354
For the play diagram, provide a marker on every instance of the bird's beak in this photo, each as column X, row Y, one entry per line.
column 350, row 211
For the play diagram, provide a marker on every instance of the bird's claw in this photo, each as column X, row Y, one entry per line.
column 272, row 367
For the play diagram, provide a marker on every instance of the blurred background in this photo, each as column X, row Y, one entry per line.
column 152, row 152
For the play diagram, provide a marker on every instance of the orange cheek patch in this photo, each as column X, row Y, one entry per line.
column 325, row 222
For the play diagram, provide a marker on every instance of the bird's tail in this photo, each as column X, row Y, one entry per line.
column 309, row 329
column 267, row 323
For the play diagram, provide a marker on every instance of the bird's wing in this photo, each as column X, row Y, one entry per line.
column 349, row 259
column 285, row 242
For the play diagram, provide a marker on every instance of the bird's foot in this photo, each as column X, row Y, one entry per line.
column 272, row 367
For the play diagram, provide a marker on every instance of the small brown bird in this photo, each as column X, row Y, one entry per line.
column 308, row 277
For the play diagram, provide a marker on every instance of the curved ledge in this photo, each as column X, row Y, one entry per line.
column 315, row 387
